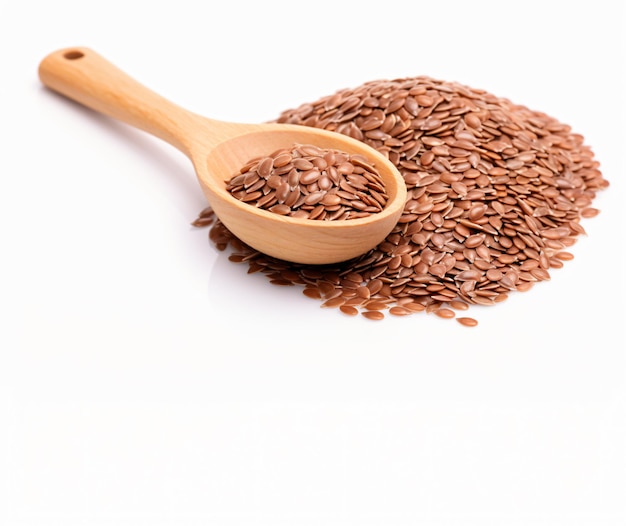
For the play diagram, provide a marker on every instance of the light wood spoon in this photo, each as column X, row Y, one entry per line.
column 219, row 149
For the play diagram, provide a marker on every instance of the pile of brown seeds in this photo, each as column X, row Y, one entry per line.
column 496, row 194
column 311, row 183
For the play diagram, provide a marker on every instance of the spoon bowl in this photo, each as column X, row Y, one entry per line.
column 218, row 150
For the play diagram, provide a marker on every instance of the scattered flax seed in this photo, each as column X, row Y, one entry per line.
column 496, row 194
column 467, row 322
column 205, row 218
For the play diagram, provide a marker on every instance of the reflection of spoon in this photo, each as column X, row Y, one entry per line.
column 219, row 149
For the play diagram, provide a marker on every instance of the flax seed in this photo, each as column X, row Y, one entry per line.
column 349, row 310
column 373, row 314
column 467, row 322
column 445, row 313
column 290, row 182
column 496, row 192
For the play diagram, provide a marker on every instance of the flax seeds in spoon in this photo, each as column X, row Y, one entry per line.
column 496, row 194
column 309, row 182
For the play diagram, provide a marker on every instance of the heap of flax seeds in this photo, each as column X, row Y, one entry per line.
column 496, row 195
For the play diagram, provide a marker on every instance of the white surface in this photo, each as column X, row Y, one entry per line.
column 144, row 379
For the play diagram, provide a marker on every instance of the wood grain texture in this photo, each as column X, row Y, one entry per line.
column 219, row 149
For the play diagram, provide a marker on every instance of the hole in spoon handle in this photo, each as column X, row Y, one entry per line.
column 73, row 54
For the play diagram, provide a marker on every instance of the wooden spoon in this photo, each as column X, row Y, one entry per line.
column 219, row 149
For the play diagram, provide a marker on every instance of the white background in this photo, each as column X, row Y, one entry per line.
column 145, row 379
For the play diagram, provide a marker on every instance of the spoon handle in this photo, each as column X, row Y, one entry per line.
column 84, row 76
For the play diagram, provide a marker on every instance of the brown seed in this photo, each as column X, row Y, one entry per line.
column 314, row 198
column 474, row 240
column 445, row 313
column 469, row 275
column 363, row 292
column 555, row 233
column 375, row 305
column 349, row 310
column 331, row 200
column 496, row 193
column 467, row 322
column 334, row 302
column 201, row 221
column 414, row 306
column 472, row 120
column 589, row 212
column 424, row 100
column 540, row 274
column 564, row 256
column 309, row 176
column 373, row 314
column 494, row 274
column 282, row 159
column 280, row 209
column 312, row 293
column 264, row 167
column 400, row 311
column 477, row 211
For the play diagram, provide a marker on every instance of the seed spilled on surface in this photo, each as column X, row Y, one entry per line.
column 496, row 194
column 467, row 322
